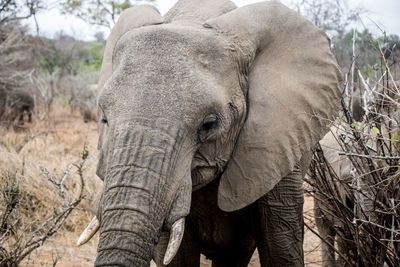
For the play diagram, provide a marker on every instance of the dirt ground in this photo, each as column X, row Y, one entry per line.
column 63, row 251
column 56, row 143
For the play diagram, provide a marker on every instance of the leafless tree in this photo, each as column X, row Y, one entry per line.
column 12, row 11
column 13, row 54
column 332, row 16
column 98, row 12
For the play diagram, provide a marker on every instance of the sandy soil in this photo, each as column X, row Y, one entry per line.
column 56, row 143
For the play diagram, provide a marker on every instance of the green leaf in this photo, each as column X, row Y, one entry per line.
column 375, row 130
column 356, row 125
column 398, row 135
column 394, row 137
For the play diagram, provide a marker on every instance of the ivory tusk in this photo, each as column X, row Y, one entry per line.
column 175, row 239
column 89, row 231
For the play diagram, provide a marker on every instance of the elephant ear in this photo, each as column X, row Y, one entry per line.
column 194, row 11
column 293, row 94
column 131, row 18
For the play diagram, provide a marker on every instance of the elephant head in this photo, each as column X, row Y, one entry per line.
column 209, row 91
column 14, row 104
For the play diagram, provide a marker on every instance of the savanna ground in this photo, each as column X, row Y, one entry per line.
column 55, row 144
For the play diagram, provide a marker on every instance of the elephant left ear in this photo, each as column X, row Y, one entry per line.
column 293, row 95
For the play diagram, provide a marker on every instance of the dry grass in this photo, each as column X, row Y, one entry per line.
column 48, row 149
column 49, row 146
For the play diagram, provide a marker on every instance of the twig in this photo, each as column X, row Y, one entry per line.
column 377, row 225
column 368, row 156
column 323, row 240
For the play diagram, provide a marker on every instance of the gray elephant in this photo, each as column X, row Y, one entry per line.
column 326, row 201
column 220, row 101
column 15, row 105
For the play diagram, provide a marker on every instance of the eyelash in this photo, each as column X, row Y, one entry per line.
column 209, row 124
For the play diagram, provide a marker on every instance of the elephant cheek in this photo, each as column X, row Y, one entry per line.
column 101, row 167
column 201, row 176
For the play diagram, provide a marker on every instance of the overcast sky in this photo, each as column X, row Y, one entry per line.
column 385, row 13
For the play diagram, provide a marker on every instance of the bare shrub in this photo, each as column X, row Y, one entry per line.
column 360, row 208
column 11, row 45
column 332, row 16
column 70, row 68
column 17, row 60
column 82, row 96
column 21, row 232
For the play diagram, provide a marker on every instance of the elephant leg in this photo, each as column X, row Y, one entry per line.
column 14, row 116
column 235, row 258
column 327, row 232
column 343, row 252
column 350, row 256
column 21, row 119
column 188, row 253
column 280, row 211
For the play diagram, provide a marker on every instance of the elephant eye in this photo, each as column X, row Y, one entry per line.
column 104, row 120
column 102, row 115
column 209, row 124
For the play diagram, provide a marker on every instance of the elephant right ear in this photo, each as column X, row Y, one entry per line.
column 292, row 96
column 131, row 18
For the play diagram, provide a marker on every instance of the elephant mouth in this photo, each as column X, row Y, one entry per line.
column 175, row 238
column 202, row 175
column 203, row 171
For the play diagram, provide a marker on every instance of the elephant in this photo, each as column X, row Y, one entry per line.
column 208, row 118
column 14, row 105
column 327, row 222
column 87, row 113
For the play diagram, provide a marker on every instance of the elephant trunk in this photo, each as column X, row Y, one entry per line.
column 142, row 194
column 127, row 235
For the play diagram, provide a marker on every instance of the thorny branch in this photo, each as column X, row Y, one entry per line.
column 26, row 243
column 364, row 206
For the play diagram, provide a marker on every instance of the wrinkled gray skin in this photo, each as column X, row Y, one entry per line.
column 15, row 105
column 200, row 101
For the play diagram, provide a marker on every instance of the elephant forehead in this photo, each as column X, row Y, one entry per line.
column 172, row 44
column 172, row 68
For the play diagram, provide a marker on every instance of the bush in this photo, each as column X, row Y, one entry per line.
column 362, row 208
column 25, row 223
